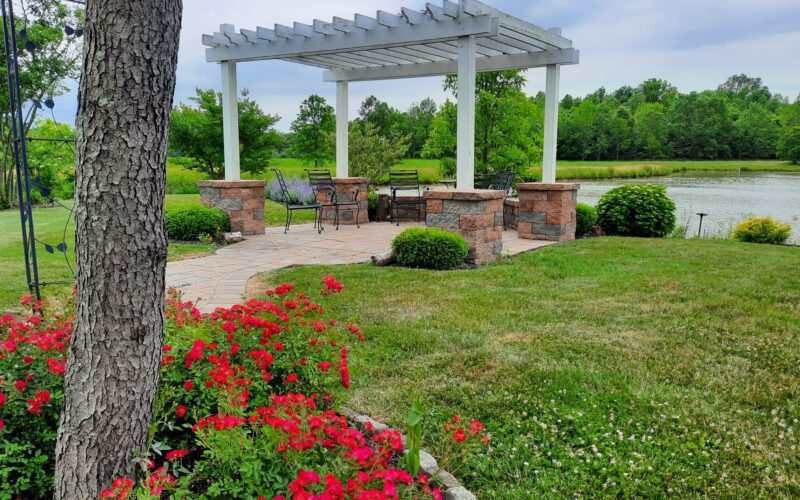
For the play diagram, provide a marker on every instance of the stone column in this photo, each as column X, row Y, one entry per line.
column 242, row 200
column 345, row 190
column 547, row 211
column 477, row 215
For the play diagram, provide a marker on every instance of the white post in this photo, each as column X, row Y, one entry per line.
column 342, row 123
column 550, row 124
column 230, row 120
column 465, row 151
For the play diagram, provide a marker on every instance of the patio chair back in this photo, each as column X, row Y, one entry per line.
column 483, row 181
column 285, row 195
column 321, row 182
column 503, row 181
column 404, row 180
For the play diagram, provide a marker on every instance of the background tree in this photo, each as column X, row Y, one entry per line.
column 416, row 125
column 789, row 145
column 382, row 117
column 126, row 90
column 373, row 155
column 196, row 132
column 508, row 125
column 313, row 130
column 42, row 71
column 53, row 162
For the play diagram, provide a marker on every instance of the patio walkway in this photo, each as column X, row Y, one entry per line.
column 219, row 279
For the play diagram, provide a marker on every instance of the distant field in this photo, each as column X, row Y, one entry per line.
column 182, row 181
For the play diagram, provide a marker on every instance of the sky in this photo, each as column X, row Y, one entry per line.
column 693, row 44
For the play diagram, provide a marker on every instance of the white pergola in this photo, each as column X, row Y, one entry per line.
column 463, row 37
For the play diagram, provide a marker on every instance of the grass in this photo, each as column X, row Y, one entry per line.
column 614, row 367
column 182, row 181
column 49, row 227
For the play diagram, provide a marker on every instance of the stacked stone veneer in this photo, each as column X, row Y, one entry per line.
column 346, row 192
column 477, row 215
column 510, row 213
column 242, row 200
column 547, row 211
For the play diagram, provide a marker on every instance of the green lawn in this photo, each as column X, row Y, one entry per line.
column 49, row 227
column 618, row 367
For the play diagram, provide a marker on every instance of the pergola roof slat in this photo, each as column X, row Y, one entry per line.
column 410, row 43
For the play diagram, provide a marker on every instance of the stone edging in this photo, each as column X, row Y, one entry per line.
column 451, row 488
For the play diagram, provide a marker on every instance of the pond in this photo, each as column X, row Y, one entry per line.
column 727, row 198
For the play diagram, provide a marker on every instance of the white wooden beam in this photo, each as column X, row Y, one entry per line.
column 230, row 120
column 449, row 67
column 266, row 34
column 390, row 20
column 303, row 29
column 551, row 38
column 251, row 36
column 365, row 22
column 465, row 149
column 431, row 31
column 415, row 17
column 342, row 129
column 550, row 123
column 324, row 28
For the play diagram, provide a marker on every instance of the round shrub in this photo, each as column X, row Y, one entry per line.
column 762, row 230
column 586, row 219
column 429, row 248
column 642, row 210
column 189, row 223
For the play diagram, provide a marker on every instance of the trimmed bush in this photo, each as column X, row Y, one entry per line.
column 586, row 219
column 762, row 230
column 642, row 210
column 190, row 223
column 429, row 248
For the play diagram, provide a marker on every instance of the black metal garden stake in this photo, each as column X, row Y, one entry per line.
column 700, row 228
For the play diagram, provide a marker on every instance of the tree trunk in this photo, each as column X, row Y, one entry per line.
column 126, row 89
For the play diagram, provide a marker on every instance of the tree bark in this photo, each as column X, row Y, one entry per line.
column 126, row 90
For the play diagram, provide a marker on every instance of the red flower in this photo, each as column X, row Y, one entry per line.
column 2, row 424
column 56, row 367
column 181, row 411
column 172, row 455
column 229, row 327
column 188, row 385
column 459, row 436
column 20, row 385
column 291, row 378
column 284, row 289
column 43, row 396
column 27, row 360
column 324, row 366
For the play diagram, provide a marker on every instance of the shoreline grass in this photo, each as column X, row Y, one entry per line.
column 182, row 181
column 607, row 366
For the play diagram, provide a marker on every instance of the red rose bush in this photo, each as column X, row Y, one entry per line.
column 244, row 407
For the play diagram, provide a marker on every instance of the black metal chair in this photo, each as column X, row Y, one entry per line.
column 483, row 181
column 322, row 184
column 503, row 181
column 291, row 207
column 405, row 181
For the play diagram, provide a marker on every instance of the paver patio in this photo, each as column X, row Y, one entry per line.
column 219, row 280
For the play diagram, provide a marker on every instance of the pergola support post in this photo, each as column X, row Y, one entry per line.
column 230, row 120
column 465, row 150
column 342, row 130
column 550, row 124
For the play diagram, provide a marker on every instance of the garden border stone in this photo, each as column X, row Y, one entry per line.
column 450, row 486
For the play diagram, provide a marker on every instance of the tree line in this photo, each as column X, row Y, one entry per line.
column 740, row 119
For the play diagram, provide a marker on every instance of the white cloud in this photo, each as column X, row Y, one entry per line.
column 694, row 44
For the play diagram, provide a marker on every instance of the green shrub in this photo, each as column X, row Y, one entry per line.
column 642, row 210
column 190, row 223
column 429, row 248
column 586, row 219
column 762, row 230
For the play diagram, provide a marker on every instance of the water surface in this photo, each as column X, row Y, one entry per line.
column 726, row 197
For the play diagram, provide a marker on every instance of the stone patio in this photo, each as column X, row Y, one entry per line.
column 219, row 280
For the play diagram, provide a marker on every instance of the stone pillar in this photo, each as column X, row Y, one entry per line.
column 345, row 190
column 510, row 212
column 242, row 200
column 477, row 215
column 547, row 211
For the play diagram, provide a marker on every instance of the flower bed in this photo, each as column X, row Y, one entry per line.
column 244, row 407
